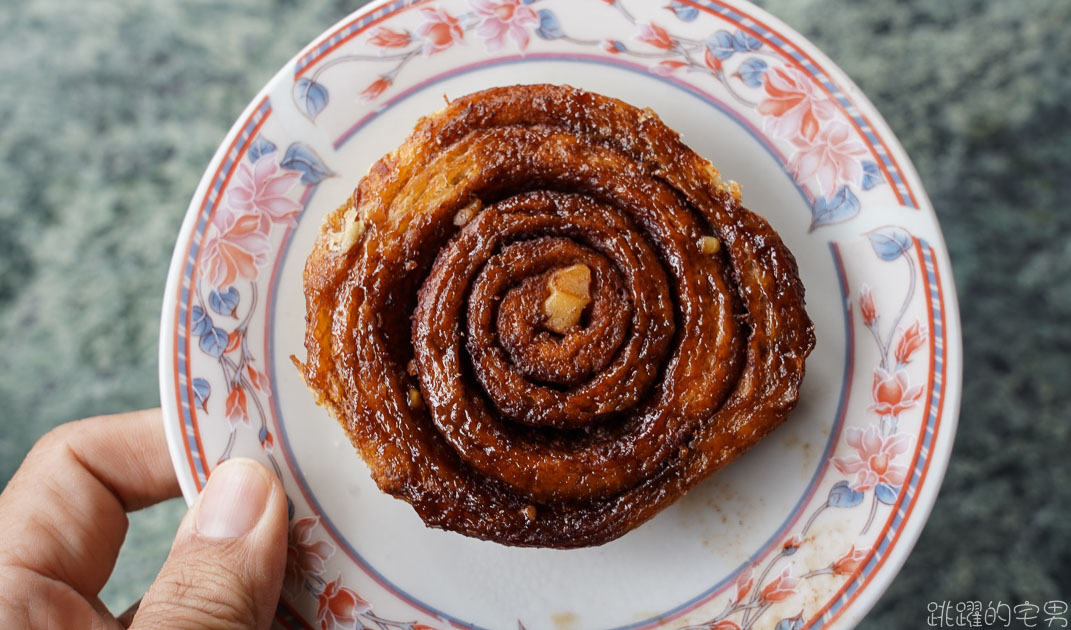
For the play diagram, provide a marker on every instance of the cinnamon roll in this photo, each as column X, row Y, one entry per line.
column 543, row 318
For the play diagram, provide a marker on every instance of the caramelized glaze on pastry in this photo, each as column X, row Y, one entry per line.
column 543, row 318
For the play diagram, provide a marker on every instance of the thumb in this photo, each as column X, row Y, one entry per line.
column 226, row 566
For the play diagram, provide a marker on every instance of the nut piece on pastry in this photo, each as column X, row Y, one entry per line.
column 709, row 245
column 543, row 318
column 570, row 293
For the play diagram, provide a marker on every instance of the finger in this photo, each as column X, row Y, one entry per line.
column 225, row 569
column 63, row 513
column 31, row 600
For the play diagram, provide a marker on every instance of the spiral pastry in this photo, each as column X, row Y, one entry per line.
column 543, row 318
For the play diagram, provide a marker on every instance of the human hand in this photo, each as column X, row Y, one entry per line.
column 63, row 518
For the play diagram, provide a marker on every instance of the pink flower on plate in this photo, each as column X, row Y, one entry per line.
column 866, row 305
column 655, row 35
column 259, row 379
column 339, row 605
column 910, row 341
column 261, row 189
column 668, row 67
column 440, row 30
column 712, row 62
column 849, row 562
column 796, row 105
column 234, row 340
column 267, row 441
column 872, row 462
column 235, row 247
column 893, row 393
column 376, row 89
column 236, row 407
column 389, row 38
column 499, row 18
column 743, row 583
column 304, row 555
column 833, row 156
column 780, row 588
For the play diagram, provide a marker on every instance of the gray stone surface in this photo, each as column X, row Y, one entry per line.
column 109, row 112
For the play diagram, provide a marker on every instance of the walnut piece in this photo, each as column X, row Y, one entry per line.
column 352, row 229
column 415, row 400
column 570, row 293
column 709, row 245
column 465, row 214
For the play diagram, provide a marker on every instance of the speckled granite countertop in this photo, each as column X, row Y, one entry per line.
column 109, row 114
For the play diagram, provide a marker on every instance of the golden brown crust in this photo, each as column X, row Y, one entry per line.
column 428, row 342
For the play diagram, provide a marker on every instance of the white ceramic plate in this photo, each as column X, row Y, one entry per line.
column 806, row 530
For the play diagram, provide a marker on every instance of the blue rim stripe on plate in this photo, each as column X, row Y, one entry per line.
column 211, row 201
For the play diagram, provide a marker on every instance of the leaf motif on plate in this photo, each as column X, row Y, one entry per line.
column 890, row 243
column 842, row 495
column 886, row 493
column 213, row 342
column 724, row 44
column 549, row 27
column 871, row 175
column 310, row 97
column 721, row 45
column 301, row 158
column 224, row 302
column 261, row 146
column 200, row 322
column 201, row 392
column 745, row 42
column 684, row 12
column 841, row 207
column 751, row 72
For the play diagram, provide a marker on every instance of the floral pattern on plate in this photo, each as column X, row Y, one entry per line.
column 825, row 143
column 862, row 206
